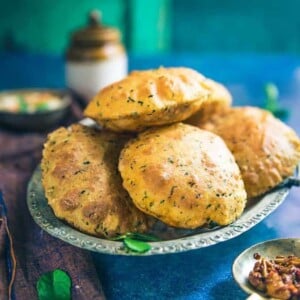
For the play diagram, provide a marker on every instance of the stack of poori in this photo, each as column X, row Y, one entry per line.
column 145, row 164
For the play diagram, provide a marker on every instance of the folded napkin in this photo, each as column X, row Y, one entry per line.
column 26, row 251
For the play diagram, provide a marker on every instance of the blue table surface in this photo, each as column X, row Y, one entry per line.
column 203, row 273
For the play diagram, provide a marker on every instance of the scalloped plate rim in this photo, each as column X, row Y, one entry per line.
column 45, row 218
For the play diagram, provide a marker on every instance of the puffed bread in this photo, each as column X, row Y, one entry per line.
column 184, row 176
column 149, row 98
column 82, row 183
column 266, row 150
column 219, row 102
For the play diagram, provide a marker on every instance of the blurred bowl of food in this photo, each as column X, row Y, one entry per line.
column 33, row 109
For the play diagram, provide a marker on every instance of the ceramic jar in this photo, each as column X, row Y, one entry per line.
column 95, row 58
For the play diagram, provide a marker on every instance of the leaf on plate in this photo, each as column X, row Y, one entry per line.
column 136, row 246
column 136, row 242
column 136, row 236
column 54, row 285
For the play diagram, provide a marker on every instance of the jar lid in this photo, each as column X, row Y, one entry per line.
column 95, row 33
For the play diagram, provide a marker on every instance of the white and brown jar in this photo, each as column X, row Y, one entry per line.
column 95, row 58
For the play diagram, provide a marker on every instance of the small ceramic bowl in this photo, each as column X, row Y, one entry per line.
column 244, row 263
column 36, row 120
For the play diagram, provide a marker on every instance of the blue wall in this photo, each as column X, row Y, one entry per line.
column 235, row 26
column 151, row 26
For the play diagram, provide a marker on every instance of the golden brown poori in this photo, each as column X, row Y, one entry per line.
column 266, row 150
column 82, row 183
column 219, row 102
column 149, row 98
column 184, row 176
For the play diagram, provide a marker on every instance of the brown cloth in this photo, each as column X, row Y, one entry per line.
column 36, row 252
column 5, row 281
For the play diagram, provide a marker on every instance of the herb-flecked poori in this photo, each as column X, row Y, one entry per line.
column 266, row 150
column 184, row 176
column 82, row 184
column 220, row 101
column 150, row 98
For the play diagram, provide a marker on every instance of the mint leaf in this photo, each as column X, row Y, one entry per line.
column 272, row 102
column 54, row 285
column 136, row 246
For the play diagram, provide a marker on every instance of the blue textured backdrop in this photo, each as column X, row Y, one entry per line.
column 234, row 25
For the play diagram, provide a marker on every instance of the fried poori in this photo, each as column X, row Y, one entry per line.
column 184, row 176
column 266, row 150
column 149, row 98
column 82, row 183
column 220, row 101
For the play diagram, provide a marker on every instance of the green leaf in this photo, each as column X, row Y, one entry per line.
column 281, row 113
column 23, row 106
column 272, row 94
column 42, row 106
column 136, row 242
column 136, row 246
column 272, row 102
column 54, row 285
column 136, row 236
column 271, row 91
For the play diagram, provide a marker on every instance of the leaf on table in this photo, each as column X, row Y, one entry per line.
column 54, row 285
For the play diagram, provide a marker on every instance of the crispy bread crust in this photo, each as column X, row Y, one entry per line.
column 219, row 102
column 266, row 150
column 149, row 98
column 183, row 175
column 82, row 183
